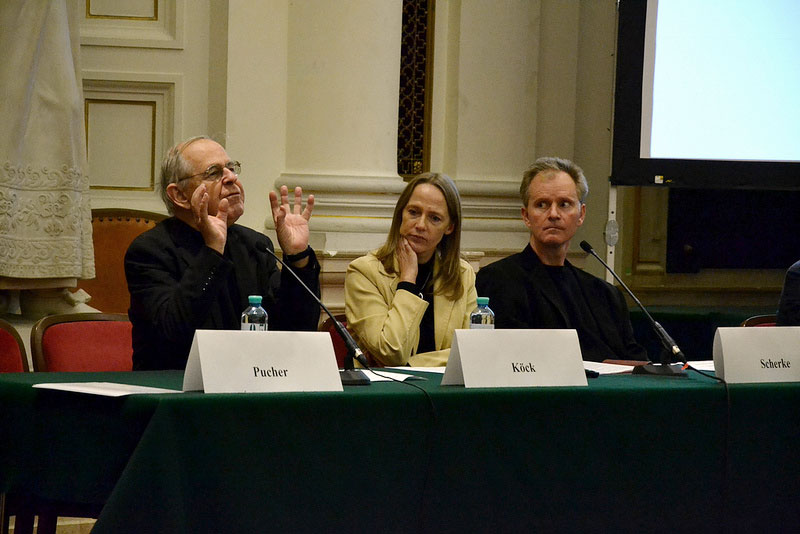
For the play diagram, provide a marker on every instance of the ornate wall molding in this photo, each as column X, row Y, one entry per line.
column 353, row 213
column 133, row 148
column 124, row 161
column 487, row 206
column 138, row 24
column 416, row 82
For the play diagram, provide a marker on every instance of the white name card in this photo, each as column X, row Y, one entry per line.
column 515, row 358
column 235, row 361
column 757, row 354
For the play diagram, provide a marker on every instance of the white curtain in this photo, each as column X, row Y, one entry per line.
column 45, row 215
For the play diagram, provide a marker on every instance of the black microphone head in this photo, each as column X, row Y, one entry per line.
column 586, row 247
column 260, row 245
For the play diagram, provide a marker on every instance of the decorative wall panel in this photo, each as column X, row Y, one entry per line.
column 120, row 141
column 130, row 122
column 134, row 23
column 122, row 9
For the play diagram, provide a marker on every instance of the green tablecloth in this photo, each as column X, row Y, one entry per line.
column 625, row 453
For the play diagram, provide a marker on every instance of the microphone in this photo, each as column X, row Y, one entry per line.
column 670, row 347
column 349, row 375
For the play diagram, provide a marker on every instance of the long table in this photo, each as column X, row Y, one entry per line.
column 626, row 453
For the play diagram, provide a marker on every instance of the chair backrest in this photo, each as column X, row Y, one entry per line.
column 13, row 356
column 82, row 342
column 113, row 230
column 760, row 320
column 339, row 348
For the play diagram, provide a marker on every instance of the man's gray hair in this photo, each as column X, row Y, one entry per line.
column 554, row 164
column 174, row 167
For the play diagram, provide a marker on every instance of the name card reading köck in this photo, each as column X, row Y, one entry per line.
column 515, row 358
column 757, row 354
column 236, row 361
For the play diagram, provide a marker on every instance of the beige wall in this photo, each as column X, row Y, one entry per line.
column 305, row 93
column 161, row 63
column 517, row 80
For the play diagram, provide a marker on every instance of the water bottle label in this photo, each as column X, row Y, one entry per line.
column 254, row 327
column 479, row 326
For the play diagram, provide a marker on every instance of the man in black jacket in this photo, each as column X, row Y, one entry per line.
column 196, row 269
column 789, row 305
column 539, row 288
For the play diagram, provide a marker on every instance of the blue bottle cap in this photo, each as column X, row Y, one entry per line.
column 254, row 300
column 483, row 301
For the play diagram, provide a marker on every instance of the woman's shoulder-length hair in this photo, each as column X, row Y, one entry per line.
column 448, row 252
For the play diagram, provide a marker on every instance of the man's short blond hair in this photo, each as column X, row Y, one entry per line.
column 554, row 164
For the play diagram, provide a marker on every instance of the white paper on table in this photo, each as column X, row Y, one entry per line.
column 106, row 389
column 615, row 369
column 703, row 365
column 439, row 370
column 384, row 375
column 607, row 368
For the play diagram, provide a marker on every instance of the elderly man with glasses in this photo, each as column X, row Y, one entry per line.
column 196, row 269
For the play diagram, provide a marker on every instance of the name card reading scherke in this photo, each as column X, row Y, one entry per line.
column 757, row 354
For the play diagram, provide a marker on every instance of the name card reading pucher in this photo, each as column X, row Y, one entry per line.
column 269, row 373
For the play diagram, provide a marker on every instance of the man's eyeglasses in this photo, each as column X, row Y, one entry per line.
column 215, row 172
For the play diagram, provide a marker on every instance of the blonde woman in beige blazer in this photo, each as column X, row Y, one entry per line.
column 404, row 300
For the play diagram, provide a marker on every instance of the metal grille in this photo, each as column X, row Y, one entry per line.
column 413, row 132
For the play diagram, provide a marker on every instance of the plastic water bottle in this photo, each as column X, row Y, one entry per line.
column 254, row 317
column 482, row 316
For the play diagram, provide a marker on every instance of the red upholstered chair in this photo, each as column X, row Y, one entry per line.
column 78, row 342
column 113, row 230
column 760, row 320
column 82, row 342
column 339, row 348
column 13, row 356
column 14, row 359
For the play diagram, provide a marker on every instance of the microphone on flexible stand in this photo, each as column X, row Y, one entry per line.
column 670, row 350
column 349, row 375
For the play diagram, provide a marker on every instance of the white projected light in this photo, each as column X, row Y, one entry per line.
column 722, row 80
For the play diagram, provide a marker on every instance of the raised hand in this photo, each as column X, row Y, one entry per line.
column 291, row 225
column 213, row 228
